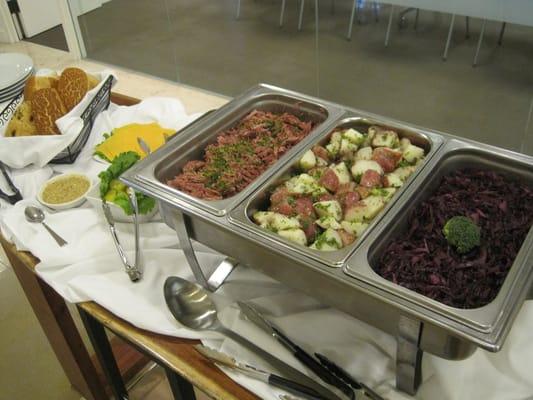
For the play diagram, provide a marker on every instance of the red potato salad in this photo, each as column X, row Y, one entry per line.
column 340, row 188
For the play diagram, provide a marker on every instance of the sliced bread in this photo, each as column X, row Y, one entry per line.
column 22, row 122
column 72, row 86
column 38, row 82
column 47, row 107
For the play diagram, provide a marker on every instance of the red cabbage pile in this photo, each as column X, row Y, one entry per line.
column 423, row 261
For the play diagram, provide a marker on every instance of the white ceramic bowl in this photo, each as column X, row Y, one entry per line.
column 118, row 214
column 71, row 204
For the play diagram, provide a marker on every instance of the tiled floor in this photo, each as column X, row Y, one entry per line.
column 25, row 352
column 54, row 37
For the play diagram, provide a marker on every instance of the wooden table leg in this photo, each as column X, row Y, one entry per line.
column 58, row 325
column 105, row 355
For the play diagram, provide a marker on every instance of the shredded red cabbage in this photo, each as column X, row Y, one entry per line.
column 423, row 261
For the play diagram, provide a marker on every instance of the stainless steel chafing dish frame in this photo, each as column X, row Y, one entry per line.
column 241, row 214
column 417, row 327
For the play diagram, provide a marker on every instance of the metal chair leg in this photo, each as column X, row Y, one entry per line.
column 479, row 42
column 282, row 13
column 316, row 17
column 104, row 353
column 387, row 35
column 352, row 16
column 402, row 20
column 360, row 4
column 416, row 18
column 375, row 7
column 301, row 14
column 180, row 387
column 447, row 47
column 238, row 14
column 468, row 27
column 502, row 31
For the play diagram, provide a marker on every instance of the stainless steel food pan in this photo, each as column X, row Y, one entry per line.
column 487, row 326
column 166, row 163
column 259, row 201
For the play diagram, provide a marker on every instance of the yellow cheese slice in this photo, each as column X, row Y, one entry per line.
column 125, row 139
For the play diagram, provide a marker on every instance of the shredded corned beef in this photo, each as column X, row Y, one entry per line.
column 423, row 261
column 240, row 155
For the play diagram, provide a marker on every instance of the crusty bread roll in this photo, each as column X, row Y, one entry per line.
column 46, row 108
column 72, row 86
column 17, row 127
column 38, row 82
column 22, row 122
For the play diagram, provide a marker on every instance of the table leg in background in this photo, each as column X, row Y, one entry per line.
column 180, row 387
column 59, row 328
column 105, row 355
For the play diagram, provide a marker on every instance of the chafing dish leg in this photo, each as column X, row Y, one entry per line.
column 408, row 355
column 217, row 278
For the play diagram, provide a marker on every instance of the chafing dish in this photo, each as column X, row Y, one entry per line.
column 418, row 323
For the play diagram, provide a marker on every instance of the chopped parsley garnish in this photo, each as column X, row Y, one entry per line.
column 379, row 192
column 404, row 163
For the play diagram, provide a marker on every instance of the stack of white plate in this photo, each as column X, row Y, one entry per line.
column 15, row 69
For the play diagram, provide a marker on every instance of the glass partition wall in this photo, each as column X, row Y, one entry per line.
column 227, row 46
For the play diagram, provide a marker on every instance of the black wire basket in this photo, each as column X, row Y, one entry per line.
column 99, row 103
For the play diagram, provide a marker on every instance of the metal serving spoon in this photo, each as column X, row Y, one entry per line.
column 35, row 214
column 191, row 305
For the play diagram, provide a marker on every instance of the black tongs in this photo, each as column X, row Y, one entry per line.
column 324, row 368
column 16, row 196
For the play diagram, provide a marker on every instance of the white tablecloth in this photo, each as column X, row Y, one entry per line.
column 90, row 269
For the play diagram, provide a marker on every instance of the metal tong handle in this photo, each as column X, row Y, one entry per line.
column 16, row 196
column 134, row 270
column 357, row 386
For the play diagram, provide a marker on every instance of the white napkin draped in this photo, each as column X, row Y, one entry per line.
column 19, row 152
column 86, row 233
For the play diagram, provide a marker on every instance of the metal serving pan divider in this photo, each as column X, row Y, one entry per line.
column 157, row 168
column 258, row 201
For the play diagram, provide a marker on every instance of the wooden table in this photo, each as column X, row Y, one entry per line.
column 132, row 347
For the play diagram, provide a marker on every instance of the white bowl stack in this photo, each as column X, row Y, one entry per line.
column 15, row 69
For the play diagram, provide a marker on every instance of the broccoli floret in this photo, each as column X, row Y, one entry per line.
column 462, row 233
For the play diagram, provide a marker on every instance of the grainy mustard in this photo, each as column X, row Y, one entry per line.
column 64, row 190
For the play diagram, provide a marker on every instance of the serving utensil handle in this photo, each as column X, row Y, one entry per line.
column 294, row 387
column 60, row 241
column 284, row 368
column 134, row 270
